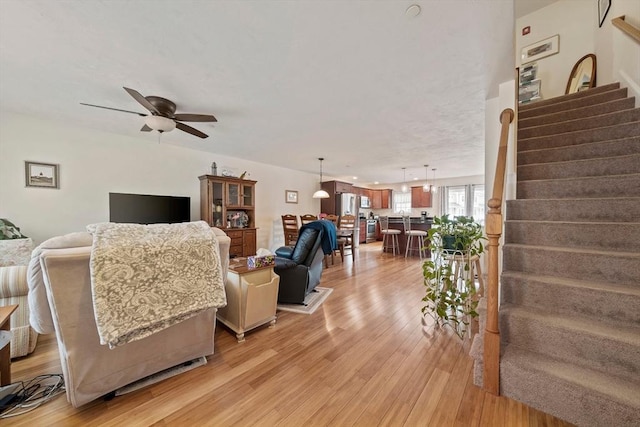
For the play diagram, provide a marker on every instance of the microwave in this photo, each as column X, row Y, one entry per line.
column 365, row 202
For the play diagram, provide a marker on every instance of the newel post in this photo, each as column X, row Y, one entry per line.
column 491, row 357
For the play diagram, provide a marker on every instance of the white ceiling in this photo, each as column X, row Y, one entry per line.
column 359, row 83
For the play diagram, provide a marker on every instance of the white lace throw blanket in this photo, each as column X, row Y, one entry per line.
column 146, row 278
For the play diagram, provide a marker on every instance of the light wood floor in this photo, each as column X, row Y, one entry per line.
column 363, row 358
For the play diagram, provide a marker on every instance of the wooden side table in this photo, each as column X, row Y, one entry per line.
column 5, row 352
column 252, row 297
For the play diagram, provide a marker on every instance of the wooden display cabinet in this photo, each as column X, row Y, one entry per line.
column 224, row 198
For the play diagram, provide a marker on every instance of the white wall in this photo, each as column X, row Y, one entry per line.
column 575, row 21
column 93, row 163
column 617, row 53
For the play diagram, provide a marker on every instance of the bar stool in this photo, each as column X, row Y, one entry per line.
column 419, row 238
column 391, row 233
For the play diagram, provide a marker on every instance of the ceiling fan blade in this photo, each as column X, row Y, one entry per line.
column 146, row 128
column 142, row 100
column 195, row 118
column 189, row 129
column 115, row 109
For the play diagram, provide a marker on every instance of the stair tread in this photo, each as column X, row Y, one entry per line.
column 584, row 177
column 628, row 138
column 546, row 221
column 532, row 138
column 619, row 388
column 590, row 118
column 583, row 161
column 576, row 283
column 523, row 123
column 611, row 87
column 575, row 250
column 630, row 335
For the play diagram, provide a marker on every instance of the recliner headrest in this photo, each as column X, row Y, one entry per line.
column 306, row 241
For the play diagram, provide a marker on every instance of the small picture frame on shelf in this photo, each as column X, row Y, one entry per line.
column 42, row 175
column 290, row 196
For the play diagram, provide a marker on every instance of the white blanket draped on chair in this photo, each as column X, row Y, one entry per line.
column 146, row 278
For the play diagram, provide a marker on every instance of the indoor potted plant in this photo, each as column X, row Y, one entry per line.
column 450, row 292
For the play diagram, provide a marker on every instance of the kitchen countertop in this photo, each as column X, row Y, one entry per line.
column 414, row 220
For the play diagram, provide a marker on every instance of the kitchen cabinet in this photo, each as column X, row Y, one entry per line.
column 337, row 187
column 363, row 231
column 229, row 204
column 380, row 199
column 386, row 198
column 376, row 199
column 420, row 198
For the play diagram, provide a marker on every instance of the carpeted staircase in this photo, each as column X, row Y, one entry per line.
column 570, row 285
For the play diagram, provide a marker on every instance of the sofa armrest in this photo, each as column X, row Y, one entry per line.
column 13, row 281
column 224, row 244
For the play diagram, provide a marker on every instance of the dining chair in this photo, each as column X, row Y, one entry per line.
column 389, row 233
column 306, row 219
column 290, row 229
column 419, row 236
column 334, row 219
column 347, row 223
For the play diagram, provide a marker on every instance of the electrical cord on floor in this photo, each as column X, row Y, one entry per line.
column 32, row 394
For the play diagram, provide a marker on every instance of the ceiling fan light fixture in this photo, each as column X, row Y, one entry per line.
column 159, row 123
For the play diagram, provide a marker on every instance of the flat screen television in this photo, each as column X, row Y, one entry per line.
column 148, row 209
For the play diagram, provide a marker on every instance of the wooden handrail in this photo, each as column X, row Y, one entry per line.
column 632, row 31
column 491, row 356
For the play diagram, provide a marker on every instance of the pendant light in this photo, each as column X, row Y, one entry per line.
column 426, row 188
column 321, row 194
column 433, row 185
column 404, row 188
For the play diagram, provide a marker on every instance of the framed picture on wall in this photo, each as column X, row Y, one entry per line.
column 43, row 175
column 291, row 196
column 541, row 49
column 603, row 8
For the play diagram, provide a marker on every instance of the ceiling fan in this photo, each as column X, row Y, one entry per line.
column 162, row 117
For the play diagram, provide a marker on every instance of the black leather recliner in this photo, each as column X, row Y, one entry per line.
column 300, row 267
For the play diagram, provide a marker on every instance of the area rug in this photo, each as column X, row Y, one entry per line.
column 312, row 302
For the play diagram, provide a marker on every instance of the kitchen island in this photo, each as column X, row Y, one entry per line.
column 417, row 223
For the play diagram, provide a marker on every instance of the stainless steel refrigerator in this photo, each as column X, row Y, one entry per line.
column 348, row 204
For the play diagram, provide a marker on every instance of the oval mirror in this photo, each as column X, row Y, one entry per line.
column 583, row 74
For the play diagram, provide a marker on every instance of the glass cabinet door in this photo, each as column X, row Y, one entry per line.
column 233, row 194
column 247, row 195
column 217, row 193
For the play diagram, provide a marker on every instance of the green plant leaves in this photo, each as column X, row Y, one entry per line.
column 452, row 300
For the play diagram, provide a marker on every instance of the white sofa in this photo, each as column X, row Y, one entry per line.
column 14, row 258
column 61, row 302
